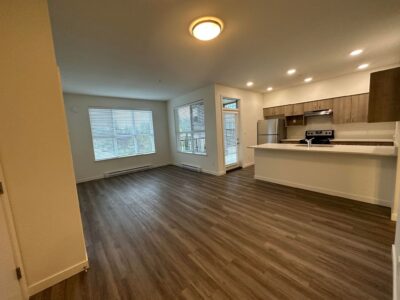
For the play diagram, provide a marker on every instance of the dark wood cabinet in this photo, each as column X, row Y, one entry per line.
column 298, row 109
column 350, row 109
column 346, row 109
column 384, row 96
column 342, row 110
column 274, row 112
column 318, row 105
column 359, row 108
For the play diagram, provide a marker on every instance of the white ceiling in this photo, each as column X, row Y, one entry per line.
column 143, row 49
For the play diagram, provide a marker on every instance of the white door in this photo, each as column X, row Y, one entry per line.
column 231, row 139
column 9, row 285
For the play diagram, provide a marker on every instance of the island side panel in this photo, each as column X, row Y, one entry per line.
column 366, row 178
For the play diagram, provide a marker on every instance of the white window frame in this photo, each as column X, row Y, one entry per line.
column 120, row 156
column 192, row 131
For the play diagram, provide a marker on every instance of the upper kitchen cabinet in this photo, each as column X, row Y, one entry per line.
column 288, row 110
column 359, row 108
column 318, row 105
column 342, row 110
column 350, row 109
column 277, row 111
column 384, row 96
column 298, row 109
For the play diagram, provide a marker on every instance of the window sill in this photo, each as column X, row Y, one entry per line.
column 191, row 153
column 128, row 156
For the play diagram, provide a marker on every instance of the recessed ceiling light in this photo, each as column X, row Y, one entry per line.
column 308, row 79
column 291, row 71
column 206, row 28
column 363, row 66
column 270, row 88
column 356, row 52
column 250, row 83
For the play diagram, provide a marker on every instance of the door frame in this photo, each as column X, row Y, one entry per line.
column 239, row 137
column 4, row 201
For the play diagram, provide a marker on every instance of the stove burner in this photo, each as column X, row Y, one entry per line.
column 318, row 136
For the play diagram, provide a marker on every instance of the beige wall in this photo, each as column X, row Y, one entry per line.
column 34, row 148
column 208, row 163
column 86, row 168
column 250, row 112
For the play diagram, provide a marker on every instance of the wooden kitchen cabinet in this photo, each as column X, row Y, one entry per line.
column 342, row 110
column 384, row 96
column 268, row 112
column 359, row 108
column 276, row 111
column 318, row 105
column 324, row 104
column 298, row 109
column 288, row 110
column 310, row 106
column 279, row 110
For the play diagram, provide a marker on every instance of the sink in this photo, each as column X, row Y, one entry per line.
column 314, row 145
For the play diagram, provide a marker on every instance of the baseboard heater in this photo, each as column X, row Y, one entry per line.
column 191, row 167
column 127, row 171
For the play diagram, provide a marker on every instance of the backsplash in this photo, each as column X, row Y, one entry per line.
column 345, row 131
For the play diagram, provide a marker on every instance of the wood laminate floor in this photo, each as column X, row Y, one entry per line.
column 170, row 233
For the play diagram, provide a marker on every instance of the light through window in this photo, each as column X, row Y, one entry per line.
column 191, row 135
column 121, row 132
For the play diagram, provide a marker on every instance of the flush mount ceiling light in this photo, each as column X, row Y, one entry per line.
column 363, row 66
column 250, row 83
column 270, row 88
column 291, row 71
column 356, row 52
column 206, row 28
column 308, row 79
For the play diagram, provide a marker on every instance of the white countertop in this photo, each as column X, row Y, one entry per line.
column 349, row 149
column 347, row 140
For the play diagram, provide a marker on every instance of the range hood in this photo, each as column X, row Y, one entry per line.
column 324, row 112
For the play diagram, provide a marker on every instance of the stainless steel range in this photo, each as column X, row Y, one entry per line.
column 318, row 137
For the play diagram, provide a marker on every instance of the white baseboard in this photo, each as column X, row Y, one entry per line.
column 85, row 179
column 216, row 173
column 360, row 198
column 80, row 180
column 245, row 165
column 393, row 216
column 58, row 277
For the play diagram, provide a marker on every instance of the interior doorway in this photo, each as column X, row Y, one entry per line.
column 230, row 118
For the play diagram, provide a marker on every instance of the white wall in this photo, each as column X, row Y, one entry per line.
column 250, row 112
column 34, row 148
column 345, row 131
column 208, row 163
column 81, row 139
column 350, row 84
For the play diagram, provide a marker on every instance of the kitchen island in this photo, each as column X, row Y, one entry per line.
column 363, row 173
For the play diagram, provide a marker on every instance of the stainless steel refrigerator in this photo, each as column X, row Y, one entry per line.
column 270, row 131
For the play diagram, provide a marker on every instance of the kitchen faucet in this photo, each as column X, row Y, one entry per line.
column 309, row 142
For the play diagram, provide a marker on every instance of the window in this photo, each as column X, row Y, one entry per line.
column 191, row 135
column 228, row 103
column 121, row 132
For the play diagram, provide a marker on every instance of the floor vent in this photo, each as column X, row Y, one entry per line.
column 126, row 171
column 191, row 168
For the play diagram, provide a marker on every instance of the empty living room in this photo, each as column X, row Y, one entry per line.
column 186, row 149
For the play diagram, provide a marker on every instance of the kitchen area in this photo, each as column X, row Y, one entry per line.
column 343, row 146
